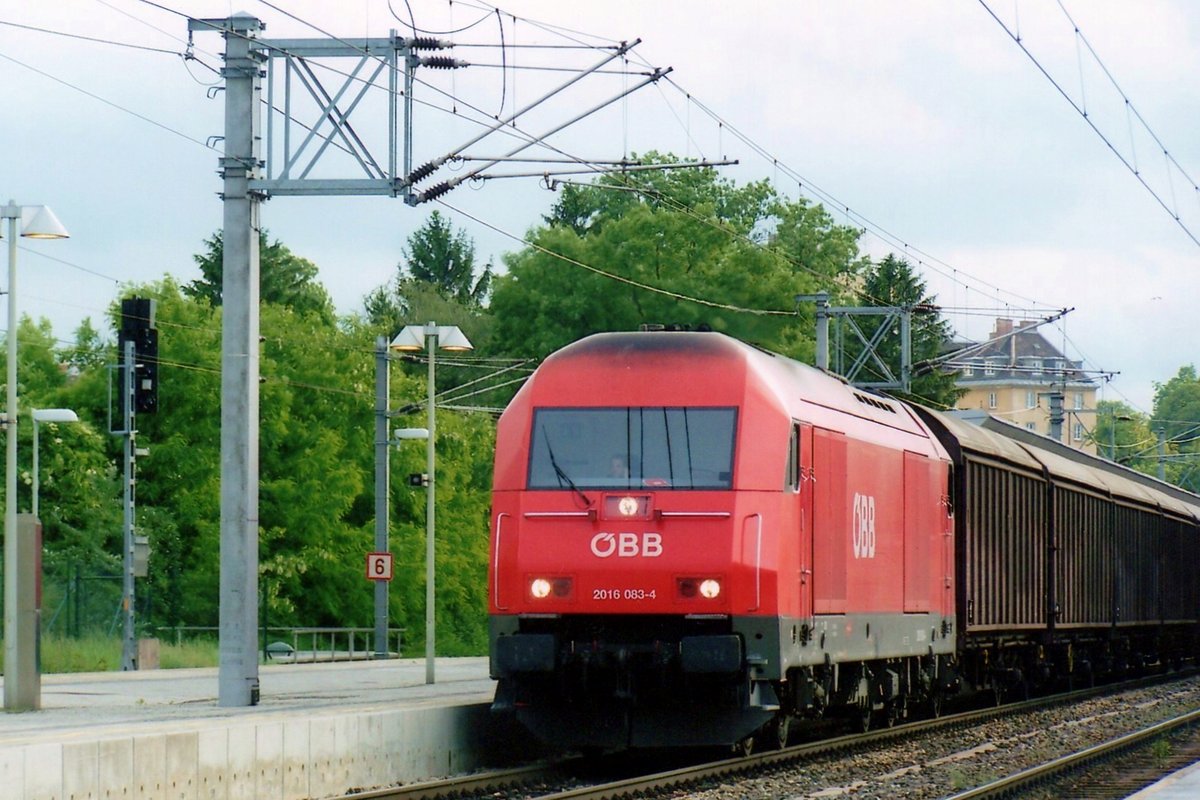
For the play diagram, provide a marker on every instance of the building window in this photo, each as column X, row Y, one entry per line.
column 1078, row 401
column 968, row 370
column 1030, row 399
column 1077, row 432
column 989, row 368
column 991, row 399
column 1037, row 366
column 1031, row 426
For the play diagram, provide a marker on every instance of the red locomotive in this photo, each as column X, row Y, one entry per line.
column 695, row 541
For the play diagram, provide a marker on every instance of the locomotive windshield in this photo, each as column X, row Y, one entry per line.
column 626, row 448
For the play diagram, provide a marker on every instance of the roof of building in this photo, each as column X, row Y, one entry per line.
column 1017, row 353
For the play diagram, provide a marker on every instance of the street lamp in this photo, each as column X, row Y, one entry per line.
column 430, row 337
column 22, row 688
column 45, row 415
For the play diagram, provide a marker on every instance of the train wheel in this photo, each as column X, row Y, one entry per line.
column 862, row 718
column 782, row 730
column 891, row 714
column 745, row 747
column 935, row 704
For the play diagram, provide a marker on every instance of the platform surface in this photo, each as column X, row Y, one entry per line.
column 186, row 699
column 1183, row 784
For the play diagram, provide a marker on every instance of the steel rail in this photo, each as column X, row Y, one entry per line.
column 461, row 785
column 489, row 782
column 1051, row 769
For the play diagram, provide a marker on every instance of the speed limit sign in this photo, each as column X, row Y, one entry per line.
column 379, row 566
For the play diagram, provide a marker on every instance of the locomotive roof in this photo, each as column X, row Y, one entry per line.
column 783, row 375
column 805, row 392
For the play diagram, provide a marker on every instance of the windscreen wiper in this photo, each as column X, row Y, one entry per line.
column 562, row 476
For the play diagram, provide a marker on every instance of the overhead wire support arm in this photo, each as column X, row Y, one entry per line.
column 427, row 169
column 627, row 167
column 440, row 189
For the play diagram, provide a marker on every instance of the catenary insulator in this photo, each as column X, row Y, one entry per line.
column 421, row 173
column 442, row 62
column 435, row 191
column 429, row 43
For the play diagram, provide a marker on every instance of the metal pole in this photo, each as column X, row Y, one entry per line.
column 128, row 645
column 1162, row 454
column 382, row 474
column 17, row 681
column 431, row 344
column 238, row 650
column 1112, row 437
column 36, row 466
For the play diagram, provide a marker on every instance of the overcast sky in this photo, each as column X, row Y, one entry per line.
column 924, row 120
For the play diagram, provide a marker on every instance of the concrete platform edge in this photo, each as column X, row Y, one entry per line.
column 283, row 757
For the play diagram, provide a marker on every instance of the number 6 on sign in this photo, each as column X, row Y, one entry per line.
column 379, row 566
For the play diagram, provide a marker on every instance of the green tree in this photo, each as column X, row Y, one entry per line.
column 438, row 262
column 285, row 278
column 680, row 247
column 1123, row 434
column 1177, row 416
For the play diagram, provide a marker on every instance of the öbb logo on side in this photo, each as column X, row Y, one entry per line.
column 627, row 545
column 862, row 528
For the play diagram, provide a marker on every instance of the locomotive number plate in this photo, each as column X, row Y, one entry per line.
column 623, row 594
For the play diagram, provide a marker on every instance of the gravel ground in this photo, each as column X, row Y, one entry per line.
column 941, row 764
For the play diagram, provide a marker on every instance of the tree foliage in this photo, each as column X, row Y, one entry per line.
column 435, row 280
column 681, row 247
column 285, row 279
column 316, row 450
column 1177, row 417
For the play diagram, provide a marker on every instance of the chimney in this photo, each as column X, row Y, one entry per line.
column 1003, row 326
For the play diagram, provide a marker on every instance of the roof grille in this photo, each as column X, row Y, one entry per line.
column 876, row 402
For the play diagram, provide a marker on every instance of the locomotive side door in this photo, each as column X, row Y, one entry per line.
column 802, row 484
column 831, row 525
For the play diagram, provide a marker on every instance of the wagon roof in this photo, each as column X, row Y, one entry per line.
column 1068, row 463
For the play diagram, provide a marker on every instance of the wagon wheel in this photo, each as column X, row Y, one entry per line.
column 782, row 729
column 935, row 704
column 862, row 718
column 862, row 710
column 745, row 747
column 891, row 713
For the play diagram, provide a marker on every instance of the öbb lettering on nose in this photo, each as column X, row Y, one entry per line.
column 627, row 545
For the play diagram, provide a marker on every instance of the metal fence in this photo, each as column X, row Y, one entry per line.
column 82, row 600
column 304, row 644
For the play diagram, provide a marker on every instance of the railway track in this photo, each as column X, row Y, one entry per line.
column 562, row 780
column 1051, row 772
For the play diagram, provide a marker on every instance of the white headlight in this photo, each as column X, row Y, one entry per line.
column 710, row 588
column 540, row 588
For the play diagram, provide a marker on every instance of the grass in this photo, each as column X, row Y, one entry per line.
column 103, row 653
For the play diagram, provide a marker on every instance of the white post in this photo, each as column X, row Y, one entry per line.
column 431, row 344
column 16, row 682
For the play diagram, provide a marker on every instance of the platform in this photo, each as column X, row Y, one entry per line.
column 1182, row 784
column 318, row 731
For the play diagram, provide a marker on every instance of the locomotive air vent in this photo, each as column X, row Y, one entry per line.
column 875, row 401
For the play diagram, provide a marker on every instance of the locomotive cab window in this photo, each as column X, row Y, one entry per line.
column 626, row 448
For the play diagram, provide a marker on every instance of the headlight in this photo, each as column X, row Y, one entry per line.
column 561, row 587
column 689, row 588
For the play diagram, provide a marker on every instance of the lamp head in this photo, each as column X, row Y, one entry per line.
column 451, row 338
column 54, row 415
column 411, row 338
column 44, row 225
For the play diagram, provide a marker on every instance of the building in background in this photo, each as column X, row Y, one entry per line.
column 1019, row 376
